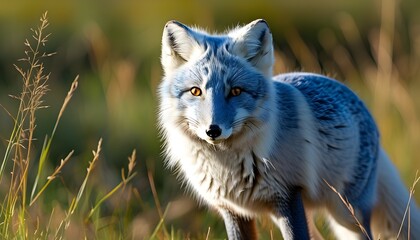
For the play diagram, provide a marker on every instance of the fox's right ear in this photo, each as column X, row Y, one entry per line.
column 254, row 43
column 179, row 44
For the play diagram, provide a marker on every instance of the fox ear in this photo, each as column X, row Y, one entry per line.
column 179, row 43
column 254, row 43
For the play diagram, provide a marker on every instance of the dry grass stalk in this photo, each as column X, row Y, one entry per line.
column 351, row 210
column 20, row 142
column 65, row 223
column 122, row 184
column 52, row 177
column 47, row 144
column 407, row 209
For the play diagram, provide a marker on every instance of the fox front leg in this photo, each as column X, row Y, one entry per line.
column 290, row 216
column 238, row 227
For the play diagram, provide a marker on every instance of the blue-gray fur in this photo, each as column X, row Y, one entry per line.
column 339, row 111
column 279, row 141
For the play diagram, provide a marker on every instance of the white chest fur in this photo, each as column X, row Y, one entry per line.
column 227, row 179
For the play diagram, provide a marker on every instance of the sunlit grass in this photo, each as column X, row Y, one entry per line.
column 19, row 148
column 19, row 159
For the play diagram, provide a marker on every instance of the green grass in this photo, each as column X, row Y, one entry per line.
column 17, row 209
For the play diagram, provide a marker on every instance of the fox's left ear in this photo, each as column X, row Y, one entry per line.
column 179, row 44
column 254, row 43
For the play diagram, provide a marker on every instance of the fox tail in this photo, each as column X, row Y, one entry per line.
column 395, row 214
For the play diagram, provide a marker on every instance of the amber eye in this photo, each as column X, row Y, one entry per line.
column 195, row 91
column 236, row 91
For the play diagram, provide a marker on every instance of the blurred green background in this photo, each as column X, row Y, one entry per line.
column 372, row 46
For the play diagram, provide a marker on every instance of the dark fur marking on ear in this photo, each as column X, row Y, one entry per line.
column 174, row 46
column 171, row 38
column 261, row 39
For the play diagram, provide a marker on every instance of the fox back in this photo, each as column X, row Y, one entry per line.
column 249, row 144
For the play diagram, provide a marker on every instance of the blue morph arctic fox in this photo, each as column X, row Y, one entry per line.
column 250, row 144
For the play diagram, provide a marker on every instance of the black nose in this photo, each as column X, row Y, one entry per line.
column 214, row 131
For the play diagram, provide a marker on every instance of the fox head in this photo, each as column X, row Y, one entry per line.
column 216, row 88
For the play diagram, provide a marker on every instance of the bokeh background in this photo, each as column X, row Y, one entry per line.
column 373, row 46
